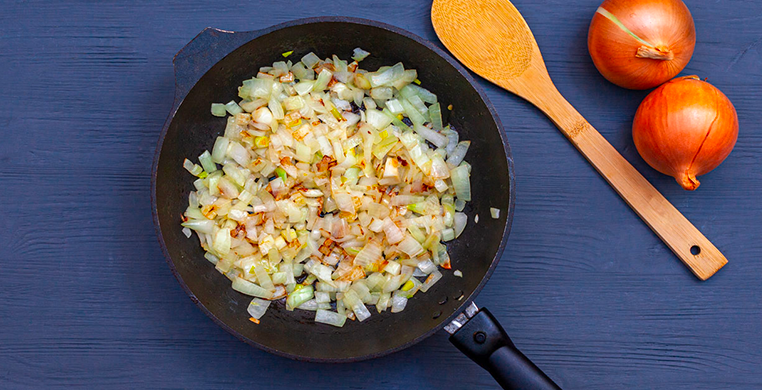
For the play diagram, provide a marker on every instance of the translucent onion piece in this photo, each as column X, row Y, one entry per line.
column 459, row 223
column 461, row 182
column 330, row 318
column 458, row 153
column 431, row 280
column 258, row 307
column 359, row 54
column 410, row 246
column 370, row 253
column 398, row 304
column 248, row 288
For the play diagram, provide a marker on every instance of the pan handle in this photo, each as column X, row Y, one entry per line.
column 201, row 53
column 481, row 337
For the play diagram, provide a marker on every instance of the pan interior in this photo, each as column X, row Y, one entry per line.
column 193, row 130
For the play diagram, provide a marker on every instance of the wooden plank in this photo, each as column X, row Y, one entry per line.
column 584, row 288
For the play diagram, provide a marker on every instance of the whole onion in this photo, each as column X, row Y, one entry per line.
column 685, row 128
column 639, row 44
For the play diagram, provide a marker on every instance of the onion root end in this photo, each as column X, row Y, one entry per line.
column 688, row 181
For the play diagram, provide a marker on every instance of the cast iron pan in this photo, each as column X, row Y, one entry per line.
column 212, row 66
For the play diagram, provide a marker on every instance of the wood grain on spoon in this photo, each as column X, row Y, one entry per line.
column 492, row 39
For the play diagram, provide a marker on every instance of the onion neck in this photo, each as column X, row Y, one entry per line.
column 647, row 50
column 655, row 53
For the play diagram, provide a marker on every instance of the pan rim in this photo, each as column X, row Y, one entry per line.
column 396, row 30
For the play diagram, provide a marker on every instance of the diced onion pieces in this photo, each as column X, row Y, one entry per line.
column 410, row 246
column 218, row 109
column 459, row 224
column 359, row 54
column 233, row 108
column 495, row 213
column 258, row 307
column 461, row 182
column 349, row 176
column 330, row 318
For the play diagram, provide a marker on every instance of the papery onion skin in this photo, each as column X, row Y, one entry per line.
column 666, row 25
column 685, row 128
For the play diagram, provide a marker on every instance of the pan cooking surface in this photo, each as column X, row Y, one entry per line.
column 294, row 334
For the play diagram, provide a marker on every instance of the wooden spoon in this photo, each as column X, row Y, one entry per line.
column 492, row 39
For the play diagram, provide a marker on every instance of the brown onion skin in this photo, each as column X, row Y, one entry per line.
column 663, row 23
column 685, row 128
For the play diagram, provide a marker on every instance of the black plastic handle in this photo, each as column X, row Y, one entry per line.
column 484, row 341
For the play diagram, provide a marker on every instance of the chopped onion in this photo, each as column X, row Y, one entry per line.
column 427, row 266
column 393, row 233
column 344, row 202
column 206, row 161
column 263, row 278
column 194, row 169
column 412, row 113
column 452, row 140
column 458, row 153
column 300, row 295
column 263, row 115
column 233, row 108
column 435, row 113
column 495, row 213
column 395, row 107
column 321, row 271
column 239, row 153
column 205, row 226
column 410, row 246
column 430, row 135
column 431, row 280
column 258, row 307
column 393, row 268
column 422, row 93
column 377, row 119
column 370, row 253
column 402, row 200
column 221, row 242
column 359, row 54
column 322, row 80
column 388, row 76
column 461, row 182
column 303, row 87
column 330, row 185
column 212, row 258
column 398, row 303
column 322, row 297
column 218, row 109
column 249, row 288
column 330, row 318
column 459, row 223
column 383, row 301
column 310, row 60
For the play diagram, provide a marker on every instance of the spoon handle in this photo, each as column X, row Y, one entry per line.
column 695, row 250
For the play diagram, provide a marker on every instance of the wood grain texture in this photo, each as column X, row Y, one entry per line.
column 584, row 288
column 492, row 39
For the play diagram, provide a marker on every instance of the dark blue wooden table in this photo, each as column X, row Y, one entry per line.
column 584, row 288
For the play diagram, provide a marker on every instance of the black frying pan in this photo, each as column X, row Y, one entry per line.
column 212, row 66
